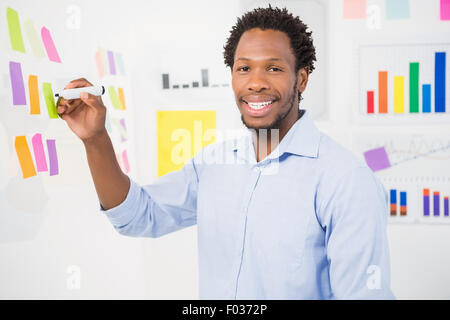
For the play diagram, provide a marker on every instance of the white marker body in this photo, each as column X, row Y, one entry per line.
column 75, row 93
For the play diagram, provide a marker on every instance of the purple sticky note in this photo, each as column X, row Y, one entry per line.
column 377, row 159
column 52, row 157
column 112, row 65
column 18, row 88
column 123, row 133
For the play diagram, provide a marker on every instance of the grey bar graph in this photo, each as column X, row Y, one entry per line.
column 175, row 86
column 165, row 79
column 195, row 84
column 205, row 78
column 185, row 86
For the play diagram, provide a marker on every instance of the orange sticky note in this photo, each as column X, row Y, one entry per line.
column 35, row 107
column 24, row 156
column 122, row 98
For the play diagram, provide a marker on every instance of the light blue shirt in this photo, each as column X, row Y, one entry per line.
column 307, row 222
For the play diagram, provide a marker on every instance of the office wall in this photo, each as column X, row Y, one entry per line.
column 181, row 39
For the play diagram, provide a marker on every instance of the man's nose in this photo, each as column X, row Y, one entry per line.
column 258, row 82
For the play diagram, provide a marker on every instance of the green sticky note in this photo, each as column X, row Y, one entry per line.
column 15, row 34
column 49, row 100
column 114, row 98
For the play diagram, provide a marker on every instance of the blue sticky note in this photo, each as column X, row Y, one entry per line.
column 397, row 9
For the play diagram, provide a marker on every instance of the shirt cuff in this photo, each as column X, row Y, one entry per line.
column 124, row 212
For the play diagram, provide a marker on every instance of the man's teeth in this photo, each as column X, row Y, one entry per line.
column 259, row 105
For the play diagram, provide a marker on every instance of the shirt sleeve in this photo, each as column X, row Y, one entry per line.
column 354, row 218
column 167, row 205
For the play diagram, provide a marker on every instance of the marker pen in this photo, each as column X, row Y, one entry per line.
column 69, row 94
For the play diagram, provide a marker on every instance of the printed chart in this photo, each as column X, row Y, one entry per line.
column 414, row 171
column 405, row 84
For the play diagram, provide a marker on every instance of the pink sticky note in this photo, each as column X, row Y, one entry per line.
column 49, row 45
column 39, row 153
column 354, row 9
column 445, row 9
column 100, row 63
column 126, row 164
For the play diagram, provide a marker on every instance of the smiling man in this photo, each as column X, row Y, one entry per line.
column 289, row 215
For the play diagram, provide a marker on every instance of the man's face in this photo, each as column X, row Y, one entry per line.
column 264, row 80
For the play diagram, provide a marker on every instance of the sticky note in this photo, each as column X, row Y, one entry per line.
column 120, row 125
column 112, row 64
column 24, row 156
column 123, row 130
column 49, row 100
column 122, row 98
column 354, row 9
column 397, row 9
column 49, row 45
column 39, row 153
column 100, row 60
column 33, row 39
column 15, row 33
column 377, row 159
column 18, row 88
column 33, row 89
column 126, row 163
column 119, row 63
column 445, row 10
column 114, row 98
column 180, row 135
column 52, row 157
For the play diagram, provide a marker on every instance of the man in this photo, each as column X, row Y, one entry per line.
column 289, row 215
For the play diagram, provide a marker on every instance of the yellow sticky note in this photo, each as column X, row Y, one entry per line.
column 114, row 98
column 181, row 134
column 15, row 33
column 24, row 156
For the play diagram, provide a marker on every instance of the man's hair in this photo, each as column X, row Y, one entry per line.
column 275, row 19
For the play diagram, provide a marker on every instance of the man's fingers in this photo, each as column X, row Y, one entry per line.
column 91, row 100
column 78, row 83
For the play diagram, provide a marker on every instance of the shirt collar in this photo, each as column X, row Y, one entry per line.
column 302, row 139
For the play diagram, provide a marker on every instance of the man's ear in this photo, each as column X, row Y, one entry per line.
column 302, row 76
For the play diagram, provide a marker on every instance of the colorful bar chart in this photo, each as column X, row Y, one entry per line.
column 410, row 80
column 393, row 202
column 440, row 204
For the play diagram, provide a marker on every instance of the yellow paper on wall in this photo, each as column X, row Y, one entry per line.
column 180, row 135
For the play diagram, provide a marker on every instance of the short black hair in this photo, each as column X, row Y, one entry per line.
column 275, row 19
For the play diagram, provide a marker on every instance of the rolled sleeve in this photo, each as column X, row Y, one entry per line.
column 124, row 212
column 167, row 205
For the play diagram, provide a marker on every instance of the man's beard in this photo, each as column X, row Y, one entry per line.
column 276, row 123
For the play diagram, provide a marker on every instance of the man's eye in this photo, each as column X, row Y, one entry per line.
column 274, row 69
column 242, row 69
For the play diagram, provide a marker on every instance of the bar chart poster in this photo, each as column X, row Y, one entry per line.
column 406, row 164
column 404, row 84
